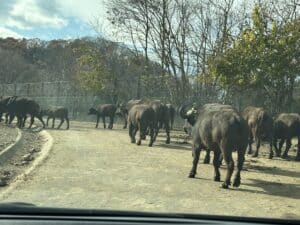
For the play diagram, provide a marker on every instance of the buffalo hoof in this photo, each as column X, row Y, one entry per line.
column 150, row 144
column 139, row 142
column 225, row 186
column 133, row 141
column 249, row 152
column 191, row 175
column 236, row 182
column 217, row 178
column 284, row 156
column 124, row 127
column 168, row 141
column 255, row 155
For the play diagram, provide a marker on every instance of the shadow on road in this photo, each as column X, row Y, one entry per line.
column 273, row 170
column 173, row 146
column 272, row 188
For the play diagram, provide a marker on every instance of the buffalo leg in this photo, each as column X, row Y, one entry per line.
column 196, row 156
column 103, row 121
column 53, row 122
column 142, row 132
column 298, row 150
column 31, row 121
column 68, row 123
column 257, row 147
column 271, row 153
column 287, row 148
column 47, row 122
column 61, row 122
column 250, row 143
column 240, row 163
column 217, row 165
column 40, row 118
column 131, row 131
column 230, row 166
column 111, row 122
column 97, row 122
column 207, row 157
column 11, row 118
column 23, row 121
column 7, row 117
column 125, row 121
column 280, row 146
column 151, row 136
column 167, row 126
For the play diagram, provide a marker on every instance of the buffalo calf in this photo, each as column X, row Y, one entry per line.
column 59, row 112
column 105, row 110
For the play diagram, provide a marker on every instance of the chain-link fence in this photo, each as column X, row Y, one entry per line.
column 55, row 94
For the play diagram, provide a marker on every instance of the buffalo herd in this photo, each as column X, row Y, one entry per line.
column 213, row 127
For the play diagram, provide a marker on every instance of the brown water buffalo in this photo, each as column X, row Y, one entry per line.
column 260, row 128
column 221, row 129
column 142, row 118
column 287, row 126
column 160, row 109
column 172, row 113
column 105, row 110
column 59, row 112
column 21, row 107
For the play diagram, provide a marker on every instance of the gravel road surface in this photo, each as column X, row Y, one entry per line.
column 97, row 168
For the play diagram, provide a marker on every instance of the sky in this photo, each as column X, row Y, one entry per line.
column 52, row 19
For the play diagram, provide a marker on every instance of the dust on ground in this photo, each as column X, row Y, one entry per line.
column 7, row 137
column 28, row 148
column 97, row 168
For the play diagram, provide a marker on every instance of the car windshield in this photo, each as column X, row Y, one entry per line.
column 175, row 106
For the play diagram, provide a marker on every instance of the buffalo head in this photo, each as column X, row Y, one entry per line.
column 92, row 111
column 190, row 115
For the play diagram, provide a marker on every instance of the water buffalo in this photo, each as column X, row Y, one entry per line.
column 260, row 128
column 21, row 107
column 4, row 109
column 142, row 118
column 59, row 112
column 287, row 126
column 221, row 129
column 161, row 113
column 105, row 110
column 172, row 112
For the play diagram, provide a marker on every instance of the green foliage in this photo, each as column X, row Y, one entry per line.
column 264, row 56
column 92, row 73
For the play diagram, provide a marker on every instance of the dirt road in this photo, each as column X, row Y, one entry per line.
column 91, row 168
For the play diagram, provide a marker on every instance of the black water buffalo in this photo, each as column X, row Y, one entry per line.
column 105, row 110
column 21, row 107
column 161, row 113
column 4, row 109
column 142, row 118
column 221, row 129
column 260, row 128
column 172, row 113
column 287, row 126
column 59, row 112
